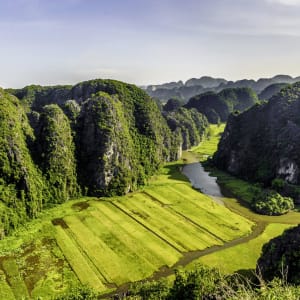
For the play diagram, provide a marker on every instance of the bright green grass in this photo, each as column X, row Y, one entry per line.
column 123, row 243
column 243, row 256
column 200, row 209
column 14, row 278
column 209, row 146
column 149, row 246
column 107, row 261
column 5, row 290
column 123, row 239
column 78, row 262
column 173, row 227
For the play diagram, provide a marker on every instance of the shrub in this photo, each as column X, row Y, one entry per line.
column 271, row 203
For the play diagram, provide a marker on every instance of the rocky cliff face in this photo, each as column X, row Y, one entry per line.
column 99, row 137
column 54, row 154
column 263, row 143
column 107, row 164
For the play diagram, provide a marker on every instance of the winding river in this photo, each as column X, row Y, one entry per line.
column 201, row 180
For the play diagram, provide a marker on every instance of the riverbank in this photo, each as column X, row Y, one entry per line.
column 237, row 199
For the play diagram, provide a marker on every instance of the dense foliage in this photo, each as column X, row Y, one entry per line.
column 217, row 107
column 271, row 90
column 206, row 283
column 263, row 143
column 173, row 104
column 22, row 185
column 281, row 257
column 190, row 124
column 99, row 137
column 271, row 203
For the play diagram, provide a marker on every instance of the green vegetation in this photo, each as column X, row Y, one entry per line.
column 21, row 183
column 217, row 107
column 243, row 256
column 208, row 147
column 210, row 283
column 110, row 241
column 54, row 153
column 108, row 141
column 272, row 203
column 262, row 143
column 189, row 124
column 280, row 257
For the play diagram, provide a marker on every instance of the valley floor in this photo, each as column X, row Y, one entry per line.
column 110, row 242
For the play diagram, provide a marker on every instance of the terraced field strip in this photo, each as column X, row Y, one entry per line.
column 231, row 224
column 201, row 210
column 148, row 245
column 162, row 198
column 103, row 256
column 14, row 278
column 5, row 290
column 77, row 261
column 121, row 244
column 171, row 224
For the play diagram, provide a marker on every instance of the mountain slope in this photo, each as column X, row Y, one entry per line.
column 217, row 107
column 264, row 142
column 99, row 137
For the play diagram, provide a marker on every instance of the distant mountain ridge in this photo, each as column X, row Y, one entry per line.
column 196, row 86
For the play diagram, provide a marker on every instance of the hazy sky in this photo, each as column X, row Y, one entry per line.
column 146, row 41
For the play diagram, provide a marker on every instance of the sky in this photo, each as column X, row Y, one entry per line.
column 51, row 42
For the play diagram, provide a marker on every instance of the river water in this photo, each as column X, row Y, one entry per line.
column 201, row 180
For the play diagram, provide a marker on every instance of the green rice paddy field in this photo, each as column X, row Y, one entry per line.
column 111, row 241
column 108, row 242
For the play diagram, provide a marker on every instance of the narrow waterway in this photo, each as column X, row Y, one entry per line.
column 201, row 180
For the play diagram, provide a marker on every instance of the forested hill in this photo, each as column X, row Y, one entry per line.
column 99, row 137
column 217, row 107
column 263, row 143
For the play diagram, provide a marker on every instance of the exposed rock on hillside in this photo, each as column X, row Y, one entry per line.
column 55, row 154
column 264, row 142
column 104, row 136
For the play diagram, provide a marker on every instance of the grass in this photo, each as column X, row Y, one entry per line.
column 5, row 290
column 243, row 256
column 111, row 241
column 78, row 262
column 108, row 242
column 14, row 278
column 208, row 147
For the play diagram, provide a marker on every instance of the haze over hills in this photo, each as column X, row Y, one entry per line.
column 196, row 86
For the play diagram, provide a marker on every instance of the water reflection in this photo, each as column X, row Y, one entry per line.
column 201, row 180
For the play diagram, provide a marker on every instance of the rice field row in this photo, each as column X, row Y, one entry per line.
column 117, row 240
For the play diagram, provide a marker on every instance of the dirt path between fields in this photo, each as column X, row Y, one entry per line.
column 188, row 257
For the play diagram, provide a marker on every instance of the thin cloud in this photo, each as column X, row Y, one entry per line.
column 286, row 2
